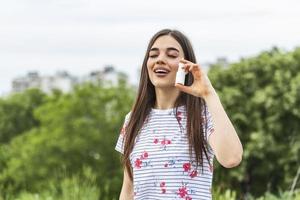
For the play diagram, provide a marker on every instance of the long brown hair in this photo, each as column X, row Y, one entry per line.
column 145, row 100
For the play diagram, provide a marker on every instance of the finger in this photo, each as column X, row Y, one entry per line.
column 190, row 64
column 185, row 61
column 194, row 67
column 183, row 88
column 196, row 71
column 186, row 67
column 182, row 60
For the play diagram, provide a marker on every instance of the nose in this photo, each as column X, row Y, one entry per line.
column 161, row 59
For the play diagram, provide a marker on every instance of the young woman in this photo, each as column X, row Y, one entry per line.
column 169, row 139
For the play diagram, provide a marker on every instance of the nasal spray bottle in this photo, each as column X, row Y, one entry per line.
column 180, row 76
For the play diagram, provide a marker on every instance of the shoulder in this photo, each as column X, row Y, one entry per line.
column 127, row 116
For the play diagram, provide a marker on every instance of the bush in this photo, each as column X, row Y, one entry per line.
column 74, row 188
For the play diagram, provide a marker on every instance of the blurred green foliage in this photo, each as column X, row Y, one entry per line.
column 262, row 97
column 73, row 131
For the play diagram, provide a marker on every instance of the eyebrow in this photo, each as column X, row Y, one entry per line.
column 168, row 49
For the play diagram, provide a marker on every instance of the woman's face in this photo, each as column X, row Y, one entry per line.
column 163, row 60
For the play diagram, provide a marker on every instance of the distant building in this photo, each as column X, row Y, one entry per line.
column 107, row 76
column 63, row 81
column 222, row 61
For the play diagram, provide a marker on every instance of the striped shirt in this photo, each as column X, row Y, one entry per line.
column 162, row 167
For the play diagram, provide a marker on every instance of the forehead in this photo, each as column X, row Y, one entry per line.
column 166, row 41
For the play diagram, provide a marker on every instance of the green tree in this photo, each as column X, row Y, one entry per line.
column 76, row 130
column 262, row 97
column 16, row 113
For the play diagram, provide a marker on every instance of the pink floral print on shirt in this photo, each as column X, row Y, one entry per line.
column 163, row 187
column 163, row 143
column 187, row 168
column 142, row 160
column 184, row 192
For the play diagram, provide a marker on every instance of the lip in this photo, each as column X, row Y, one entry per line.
column 161, row 75
column 163, row 68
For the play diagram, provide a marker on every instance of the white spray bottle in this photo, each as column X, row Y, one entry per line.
column 180, row 76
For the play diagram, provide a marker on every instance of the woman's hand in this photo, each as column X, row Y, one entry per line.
column 201, row 86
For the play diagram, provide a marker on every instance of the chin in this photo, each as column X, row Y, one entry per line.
column 160, row 84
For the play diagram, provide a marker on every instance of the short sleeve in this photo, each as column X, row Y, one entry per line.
column 120, row 142
column 208, row 124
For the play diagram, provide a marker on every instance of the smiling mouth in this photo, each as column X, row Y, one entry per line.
column 161, row 72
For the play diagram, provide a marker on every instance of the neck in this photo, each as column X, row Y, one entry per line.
column 165, row 97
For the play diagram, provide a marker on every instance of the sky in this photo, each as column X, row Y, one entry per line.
column 81, row 36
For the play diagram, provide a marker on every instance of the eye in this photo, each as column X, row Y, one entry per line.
column 153, row 56
column 173, row 56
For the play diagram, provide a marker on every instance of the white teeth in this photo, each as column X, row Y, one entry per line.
column 161, row 71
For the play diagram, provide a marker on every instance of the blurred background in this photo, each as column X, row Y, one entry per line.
column 69, row 72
